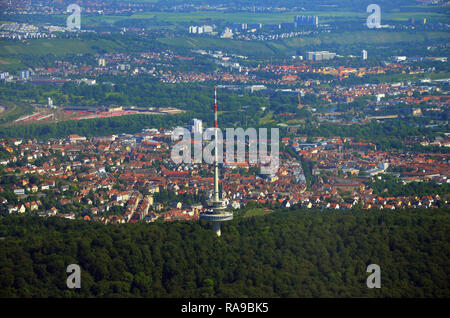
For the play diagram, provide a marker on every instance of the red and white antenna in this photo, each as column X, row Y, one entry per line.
column 216, row 159
column 217, row 215
column 215, row 107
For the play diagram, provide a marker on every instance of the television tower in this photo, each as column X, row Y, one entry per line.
column 217, row 213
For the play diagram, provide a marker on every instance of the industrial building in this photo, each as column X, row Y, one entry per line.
column 320, row 55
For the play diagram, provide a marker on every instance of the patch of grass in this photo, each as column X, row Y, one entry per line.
column 405, row 15
column 266, row 119
column 185, row 18
column 256, row 212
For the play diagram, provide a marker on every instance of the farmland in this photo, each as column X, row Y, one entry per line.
column 278, row 17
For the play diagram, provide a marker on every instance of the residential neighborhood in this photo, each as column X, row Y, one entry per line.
column 121, row 178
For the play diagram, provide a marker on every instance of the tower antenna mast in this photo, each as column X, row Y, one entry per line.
column 216, row 215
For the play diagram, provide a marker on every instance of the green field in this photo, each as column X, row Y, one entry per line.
column 328, row 15
column 209, row 16
column 417, row 13
column 256, row 212
column 58, row 46
column 8, row 64
column 248, row 17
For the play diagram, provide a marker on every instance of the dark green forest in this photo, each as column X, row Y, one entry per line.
column 294, row 253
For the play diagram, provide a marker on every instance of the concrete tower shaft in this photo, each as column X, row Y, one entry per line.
column 217, row 213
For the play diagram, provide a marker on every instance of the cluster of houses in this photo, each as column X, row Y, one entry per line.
column 115, row 179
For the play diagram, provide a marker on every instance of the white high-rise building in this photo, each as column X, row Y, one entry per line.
column 25, row 75
column 320, row 55
column 364, row 54
column 201, row 29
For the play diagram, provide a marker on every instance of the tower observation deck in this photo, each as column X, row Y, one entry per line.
column 217, row 213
